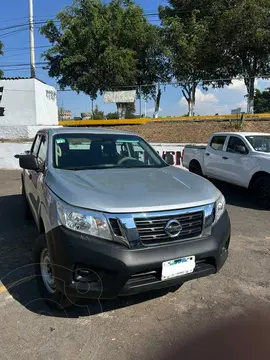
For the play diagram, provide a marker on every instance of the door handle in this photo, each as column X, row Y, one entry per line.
column 30, row 176
column 207, row 154
column 225, row 158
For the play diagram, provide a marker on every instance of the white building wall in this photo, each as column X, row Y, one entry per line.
column 18, row 99
column 29, row 105
column 7, row 152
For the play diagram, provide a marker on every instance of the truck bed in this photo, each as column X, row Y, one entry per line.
column 194, row 152
column 191, row 146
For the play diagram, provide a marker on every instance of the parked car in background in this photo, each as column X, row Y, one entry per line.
column 240, row 158
column 115, row 219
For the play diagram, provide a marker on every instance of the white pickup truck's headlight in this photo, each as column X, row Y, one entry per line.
column 84, row 221
column 220, row 207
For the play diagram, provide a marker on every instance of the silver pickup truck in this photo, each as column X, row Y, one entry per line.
column 115, row 219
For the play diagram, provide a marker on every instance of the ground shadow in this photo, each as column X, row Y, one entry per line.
column 17, row 238
column 237, row 196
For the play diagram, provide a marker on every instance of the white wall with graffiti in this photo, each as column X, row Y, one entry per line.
column 176, row 150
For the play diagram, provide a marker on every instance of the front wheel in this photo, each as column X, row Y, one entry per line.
column 261, row 191
column 46, row 284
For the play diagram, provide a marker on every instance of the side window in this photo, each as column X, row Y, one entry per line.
column 122, row 149
column 218, row 142
column 237, row 146
column 42, row 154
column 36, row 145
column 140, row 154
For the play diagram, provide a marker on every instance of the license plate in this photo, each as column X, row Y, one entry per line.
column 178, row 267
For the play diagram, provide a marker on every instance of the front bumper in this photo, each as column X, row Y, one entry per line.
column 112, row 269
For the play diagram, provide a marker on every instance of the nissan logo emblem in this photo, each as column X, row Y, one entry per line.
column 173, row 228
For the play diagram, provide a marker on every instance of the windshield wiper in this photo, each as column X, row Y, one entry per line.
column 93, row 167
column 80, row 168
column 113, row 167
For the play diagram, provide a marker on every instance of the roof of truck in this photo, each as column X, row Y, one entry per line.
column 241, row 133
column 84, row 130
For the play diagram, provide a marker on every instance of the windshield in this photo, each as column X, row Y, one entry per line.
column 103, row 151
column 260, row 143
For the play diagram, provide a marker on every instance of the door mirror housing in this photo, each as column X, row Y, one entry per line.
column 241, row 149
column 28, row 162
column 27, row 152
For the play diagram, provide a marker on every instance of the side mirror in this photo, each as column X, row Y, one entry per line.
column 27, row 152
column 28, row 162
column 241, row 149
column 169, row 159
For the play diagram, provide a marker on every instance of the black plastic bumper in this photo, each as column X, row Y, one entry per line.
column 110, row 269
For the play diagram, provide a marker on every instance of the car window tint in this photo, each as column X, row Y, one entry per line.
column 233, row 143
column 103, row 151
column 260, row 143
column 36, row 145
column 42, row 154
column 218, row 142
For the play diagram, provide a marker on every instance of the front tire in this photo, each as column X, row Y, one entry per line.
column 261, row 191
column 43, row 269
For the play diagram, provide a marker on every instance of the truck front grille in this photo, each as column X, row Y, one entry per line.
column 152, row 229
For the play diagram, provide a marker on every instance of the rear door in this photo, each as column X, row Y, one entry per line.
column 237, row 165
column 213, row 157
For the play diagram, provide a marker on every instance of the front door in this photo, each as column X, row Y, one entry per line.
column 236, row 162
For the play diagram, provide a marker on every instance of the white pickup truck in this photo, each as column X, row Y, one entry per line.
column 238, row 158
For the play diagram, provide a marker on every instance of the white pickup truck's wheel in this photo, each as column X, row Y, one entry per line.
column 195, row 168
column 261, row 191
column 43, row 268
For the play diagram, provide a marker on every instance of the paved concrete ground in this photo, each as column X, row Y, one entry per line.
column 136, row 327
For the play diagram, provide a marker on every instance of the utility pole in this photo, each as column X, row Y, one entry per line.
column 31, row 40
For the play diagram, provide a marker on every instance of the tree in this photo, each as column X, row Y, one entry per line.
column 130, row 111
column 188, row 34
column 245, row 35
column 103, row 46
column 61, row 111
column 112, row 116
column 1, row 53
column 98, row 114
column 262, row 101
column 154, row 66
column 124, row 111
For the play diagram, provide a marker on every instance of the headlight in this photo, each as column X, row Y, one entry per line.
column 220, row 206
column 84, row 221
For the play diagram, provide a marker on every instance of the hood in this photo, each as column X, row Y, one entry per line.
column 131, row 190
